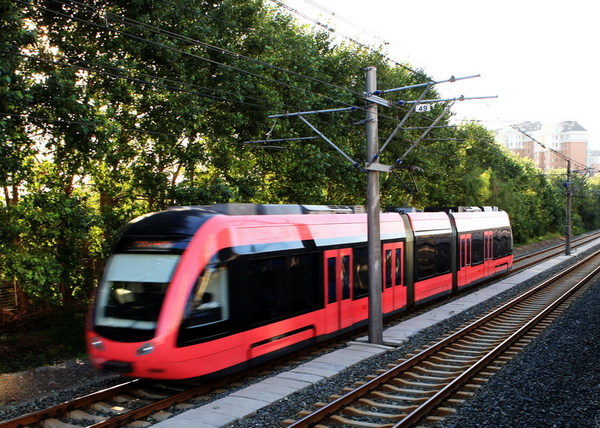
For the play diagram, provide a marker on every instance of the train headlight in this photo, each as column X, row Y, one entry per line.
column 145, row 349
column 97, row 344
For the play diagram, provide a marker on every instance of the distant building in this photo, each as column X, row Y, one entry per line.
column 567, row 138
column 594, row 160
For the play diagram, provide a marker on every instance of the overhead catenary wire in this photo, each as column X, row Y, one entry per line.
column 351, row 39
column 183, row 52
column 183, row 38
column 80, row 123
column 72, row 2
column 157, row 30
column 70, row 16
column 122, row 74
column 141, row 81
column 132, row 79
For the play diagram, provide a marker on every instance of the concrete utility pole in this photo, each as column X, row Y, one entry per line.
column 568, row 210
column 568, row 184
column 373, row 168
column 373, row 208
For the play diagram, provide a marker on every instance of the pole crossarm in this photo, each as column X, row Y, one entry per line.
column 429, row 127
column 278, row 140
column 400, row 125
column 424, row 134
column 452, row 79
column 461, row 98
column 301, row 113
column 340, row 151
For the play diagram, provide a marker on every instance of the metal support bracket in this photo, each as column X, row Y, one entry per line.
column 376, row 166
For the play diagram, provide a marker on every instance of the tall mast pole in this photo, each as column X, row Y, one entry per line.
column 568, row 210
column 373, row 208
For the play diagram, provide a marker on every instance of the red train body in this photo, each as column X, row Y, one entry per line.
column 190, row 292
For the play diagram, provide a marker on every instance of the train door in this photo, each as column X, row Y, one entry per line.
column 393, row 291
column 488, row 253
column 338, row 288
column 464, row 259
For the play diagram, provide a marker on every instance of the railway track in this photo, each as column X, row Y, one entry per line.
column 427, row 386
column 533, row 258
column 112, row 407
column 144, row 400
column 138, row 399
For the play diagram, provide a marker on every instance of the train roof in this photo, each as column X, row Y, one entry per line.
column 253, row 224
column 165, row 230
column 279, row 209
column 468, row 221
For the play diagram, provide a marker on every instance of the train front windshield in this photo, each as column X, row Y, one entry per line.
column 133, row 290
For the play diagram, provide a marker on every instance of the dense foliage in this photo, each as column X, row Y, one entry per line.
column 110, row 109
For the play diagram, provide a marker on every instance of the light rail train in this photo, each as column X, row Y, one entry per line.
column 200, row 291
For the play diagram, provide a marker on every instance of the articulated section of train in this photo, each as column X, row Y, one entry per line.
column 201, row 291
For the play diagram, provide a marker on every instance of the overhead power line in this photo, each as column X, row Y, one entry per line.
column 345, row 36
column 80, row 123
column 166, row 33
column 132, row 79
column 124, row 20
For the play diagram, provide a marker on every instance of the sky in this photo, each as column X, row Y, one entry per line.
column 539, row 57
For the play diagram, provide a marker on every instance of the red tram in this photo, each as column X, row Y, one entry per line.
column 197, row 291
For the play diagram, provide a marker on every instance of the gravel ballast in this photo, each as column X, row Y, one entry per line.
column 555, row 382
column 559, row 371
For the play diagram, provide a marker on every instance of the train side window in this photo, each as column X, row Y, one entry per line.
column 507, row 242
column 304, row 290
column 207, row 312
column 267, row 292
column 345, row 277
column 425, row 258
column 388, row 268
column 477, row 254
column 465, row 251
column 433, row 256
column 398, row 266
column 209, row 300
column 443, row 255
column 469, row 252
column 488, row 247
column 331, row 280
column 361, row 272
column 498, row 251
column 502, row 243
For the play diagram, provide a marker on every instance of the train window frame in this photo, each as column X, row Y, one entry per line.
column 299, row 266
column 206, row 319
column 125, row 285
column 331, row 280
column 477, row 248
column 427, row 249
column 346, row 289
column 388, row 280
column 502, row 243
column 211, row 294
column 399, row 277
column 360, row 286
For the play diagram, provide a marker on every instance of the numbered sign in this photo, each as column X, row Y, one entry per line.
column 422, row 108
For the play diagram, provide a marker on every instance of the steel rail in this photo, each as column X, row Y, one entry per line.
column 334, row 406
column 459, row 381
column 61, row 409
column 132, row 415
column 584, row 240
